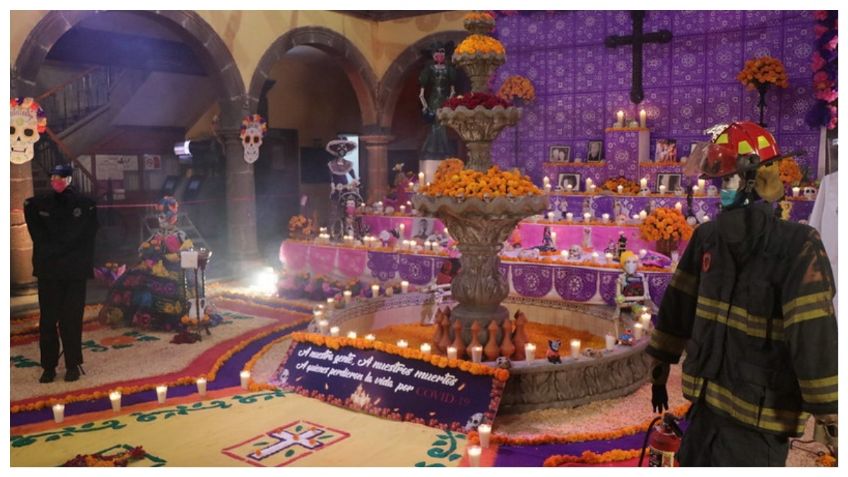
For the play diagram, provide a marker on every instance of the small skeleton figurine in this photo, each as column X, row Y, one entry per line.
column 553, row 351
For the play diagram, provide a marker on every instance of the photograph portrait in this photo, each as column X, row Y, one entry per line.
column 595, row 151
column 565, row 179
column 560, row 154
column 666, row 150
column 422, row 228
column 670, row 181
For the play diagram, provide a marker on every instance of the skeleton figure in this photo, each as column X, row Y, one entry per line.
column 474, row 421
column 810, row 192
column 27, row 122
column 253, row 129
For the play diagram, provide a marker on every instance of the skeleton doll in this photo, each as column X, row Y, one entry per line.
column 253, row 129
column 27, row 123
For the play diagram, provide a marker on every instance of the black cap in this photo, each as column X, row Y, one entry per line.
column 64, row 170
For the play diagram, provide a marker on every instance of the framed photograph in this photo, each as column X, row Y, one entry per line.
column 566, row 178
column 595, row 151
column 422, row 228
column 670, row 181
column 666, row 150
column 560, row 154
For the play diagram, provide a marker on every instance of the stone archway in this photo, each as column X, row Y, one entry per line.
column 353, row 62
column 390, row 85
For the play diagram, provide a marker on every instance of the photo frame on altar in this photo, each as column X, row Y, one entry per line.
column 595, row 150
column 422, row 227
column 566, row 178
column 666, row 150
column 670, row 181
column 560, row 154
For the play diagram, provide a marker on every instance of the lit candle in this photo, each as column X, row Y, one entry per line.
column 645, row 320
column 605, row 218
column 351, row 335
column 425, row 348
column 643, row 215
column 619, row 116
column 375, row 291
column 474, row 456
column 610, row 340
column 553, row 238
column 796, row 191
column 564, row 254
column 551, row 216
column 608, row 256
column 591, row 188
column 589, row 182
column 569, row 187
column 575, row 349
column 451, row 352
column 59, row 412
column 402, row 344
column 404, row 286
column 402, row 211
column 546, row 180
column 662, row 189
column 547, row 188
column 244, row 376
column 402, row 227
column 115, row 398
column 642, row 253
column 322, row 326
column 643, row 182
column 485, row 432
column 370, row 337
column 595, row 256
column 530, row 351
column 331, row 303
column 347, row 296
column 587, row 217
column 643, row 118
column 637, row 331
column 636, row 217
column 569, row 216
column 678, row 206
column 161, row 393
column 706, row 218
column 420, row 177
column 201, row 386
column 334, row 331
column 702, row 183
column 695, row 190
column 620, row 189
column 477, row 354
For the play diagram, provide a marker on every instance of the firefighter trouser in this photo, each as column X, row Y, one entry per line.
column 62, row 303
column 713, row 440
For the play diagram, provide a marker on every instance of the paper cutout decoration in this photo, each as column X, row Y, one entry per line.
column 28, row 122
column 253, row 129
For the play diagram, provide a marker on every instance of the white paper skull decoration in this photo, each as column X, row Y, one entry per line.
column 810, row 192
column 28, row 121
column 253, row 129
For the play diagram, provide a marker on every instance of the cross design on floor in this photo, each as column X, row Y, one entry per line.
column 304, row 439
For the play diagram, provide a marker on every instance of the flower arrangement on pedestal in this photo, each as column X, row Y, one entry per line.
column 301, row 228
column 474, row 100
column 790, row 173
column 628, row 186
column 517, row 88
column 667, row 226
column 455, row 181
column 825, row 70
column 760, row 74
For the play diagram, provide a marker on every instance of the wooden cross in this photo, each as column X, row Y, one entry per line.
column 637, row 39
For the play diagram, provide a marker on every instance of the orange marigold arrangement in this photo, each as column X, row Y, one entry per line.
column 301, row 227
column 665, row 223
column 761, row 71
column 453, row 180
column 592, row 458
column 517, row 87
column 480, row 45
column 630, row 187
column 790, row 173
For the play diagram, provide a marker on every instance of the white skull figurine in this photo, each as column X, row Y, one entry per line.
column 252, row 131
column 27, row 121
column 810, row 192
column 474, row 421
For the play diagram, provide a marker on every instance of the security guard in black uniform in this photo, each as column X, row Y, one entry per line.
column 62, row 226
column 751, row 305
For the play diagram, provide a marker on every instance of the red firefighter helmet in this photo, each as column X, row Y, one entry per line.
column 736, row 148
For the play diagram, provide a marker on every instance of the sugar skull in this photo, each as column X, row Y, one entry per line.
column 28, row 121
column 168, row 209
column 253, row 129
column 810, row 192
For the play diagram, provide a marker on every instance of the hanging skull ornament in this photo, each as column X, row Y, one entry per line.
column 28, row 122
column 253, row 129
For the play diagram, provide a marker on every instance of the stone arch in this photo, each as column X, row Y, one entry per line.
column 391, row 83
column 213, row 52
column 355, row 65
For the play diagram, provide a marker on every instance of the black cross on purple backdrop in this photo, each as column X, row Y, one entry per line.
column 636, row 40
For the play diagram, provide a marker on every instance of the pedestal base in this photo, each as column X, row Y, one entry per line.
column 467, row 315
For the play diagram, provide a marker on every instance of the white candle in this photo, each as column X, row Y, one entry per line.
column 635, row 216
column 643, row 215
column 569, row 187
column 201, row 386
column 322, row 326
column 375, row 291
column 619, row 116
column 402, row 227
column 161, row 393
column 402, row 344
column 546, row 180
column 620, row 189
column 530, row 351
column 58, row 412
column 485, row 432
column 643, row 118
column 402, row 211
column 702, row 183
column 695, row 190
column 404, row 286
column 678, row 206
column 796, row 191
column 587, row 217
column 244, row 376
column 331, row 303
column 115, row 398
column 425, row 348
column 706, row 218
column 608, row 256
column 610, row 340
column 564, row 254
column 554, row 238
column 351, row 335
column 451, row 352
column 547, row 188
column 595, row 257
column 642, row 253
column 334, row 331
column 420, row 177
column 370, row 337
column 643, row 182
column 551, row 216
column 575, row 349
column 645, row 320
column 589, row 182
column 605, row 218
column 474, row 456
column 662, row 189
column 591, row 189
column 347, row 296
column 637, row 331
column 477, row 354
column 569, row 216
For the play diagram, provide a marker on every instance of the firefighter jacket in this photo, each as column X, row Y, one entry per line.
column 750, row 304
column 63, row 228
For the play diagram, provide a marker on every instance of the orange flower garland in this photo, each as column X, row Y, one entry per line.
column 630, row 187
column 591, row 458
column 761, row 71
column 480, row 45
column 478, row 17
column 665, row 223
column 453, row 180
column 517, row 87
column 790, row 173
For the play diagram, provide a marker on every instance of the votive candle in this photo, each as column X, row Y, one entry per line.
column 477, row 354
column 402, row 227
column 474, row 455
column 115, row 399
column 643, row 118
column 485, row 432
column 425, row 348
column 706, row 218
column 334, row 331
column 645, row 320
column 351, row 335
column 605, row 218
column 643, row 215
column 620, row 189
column 404, row 286
column 610, row 341
column 59, row 412
column 370, row 337
column 554, row 238
column 161, row 393
column 678, row 206
column 347, row 296
column 530, row 351
column 637, row 331
column 201, row 386
column 642, row 253
column 662, row 189
column 569, row 216
column 375, row 291
column 402, row 344
column 564, row 254
column 643, row 182
column 420, row 177
column 702, row 184
column 619, row 117
column 587, row 217
column 244, row 376
column 402, row 211
column 547, row 188
column 575, row 349
column 546, row 180
column 608, row 256
column 451, row 352
column 796, row 191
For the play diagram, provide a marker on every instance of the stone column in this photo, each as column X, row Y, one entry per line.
column 377, row 146
column 242, row 250
column 23, row 283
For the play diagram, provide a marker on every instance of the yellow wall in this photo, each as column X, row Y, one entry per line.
column 248, row 34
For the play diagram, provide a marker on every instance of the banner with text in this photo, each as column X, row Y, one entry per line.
column 387, row 381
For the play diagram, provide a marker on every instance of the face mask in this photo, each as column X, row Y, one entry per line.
column 728, row 197
column 630, row 268
column 59, row 185
column 439, row 58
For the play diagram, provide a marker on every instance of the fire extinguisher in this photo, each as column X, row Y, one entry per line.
column 663, row 441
